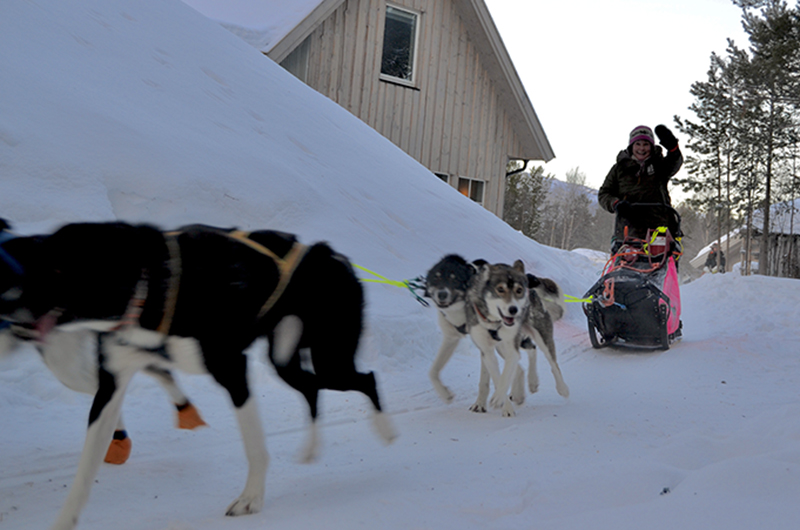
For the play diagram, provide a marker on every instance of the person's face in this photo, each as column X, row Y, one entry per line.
column 641, row 149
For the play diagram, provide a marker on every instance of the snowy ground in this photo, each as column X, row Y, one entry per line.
column 706, row 435
column 143, row 110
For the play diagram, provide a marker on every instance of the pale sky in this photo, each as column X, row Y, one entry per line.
column 592, row 69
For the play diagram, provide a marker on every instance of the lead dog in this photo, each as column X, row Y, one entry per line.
column 195, row 299
column 501, row 312
column 72, row 358
column 447, row 284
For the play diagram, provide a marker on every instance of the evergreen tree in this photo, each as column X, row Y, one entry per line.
column 567, row 216
column 771, row 83
column 524, row 195
column 711, row 139
column 746, row 123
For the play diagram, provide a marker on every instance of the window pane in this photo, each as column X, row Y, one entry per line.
column 443, row 176
column 398, row 43
column 463, row 186
column 476, row 193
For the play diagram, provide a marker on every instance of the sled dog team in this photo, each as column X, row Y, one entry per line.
column 102, row 301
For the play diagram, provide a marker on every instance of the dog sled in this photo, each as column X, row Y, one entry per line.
column 636, row 302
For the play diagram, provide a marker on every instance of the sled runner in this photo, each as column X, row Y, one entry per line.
column 636, row 302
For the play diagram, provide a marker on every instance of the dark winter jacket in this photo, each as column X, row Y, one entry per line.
column 635, row 183
column 711, row 260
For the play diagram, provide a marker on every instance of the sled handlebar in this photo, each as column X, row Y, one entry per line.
column 644, row 208
column 655, row 205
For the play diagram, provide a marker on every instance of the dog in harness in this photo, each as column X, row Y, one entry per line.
column 72, row 358
column 194, row 299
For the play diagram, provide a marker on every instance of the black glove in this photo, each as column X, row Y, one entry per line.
column 629, row 212
column 623, row 208
column 666, row 138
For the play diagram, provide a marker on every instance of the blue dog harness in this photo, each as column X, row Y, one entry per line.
column 12, row 263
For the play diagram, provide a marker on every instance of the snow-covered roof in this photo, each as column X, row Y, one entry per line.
column 701, row 254
column 261, row 23
column 784, row 218
column 781, row 220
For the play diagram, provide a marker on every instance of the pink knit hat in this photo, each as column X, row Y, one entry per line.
column 642, row 132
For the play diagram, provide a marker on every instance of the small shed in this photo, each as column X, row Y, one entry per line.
column 783, row 239
column 732, row 250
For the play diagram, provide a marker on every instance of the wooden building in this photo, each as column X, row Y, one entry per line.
column 783, row 243
column 432, row 76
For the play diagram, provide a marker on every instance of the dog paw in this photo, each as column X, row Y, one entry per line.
column 445, row 393
column 478, row 407
column 119, row 450
column 309, row 453
column 508, row 412
column 189, row 417
column 384, row 427
column 310, row 450
column 563, row 390
column 533, row 383
column 497, row 401
column 244, row 505
column 517, row 394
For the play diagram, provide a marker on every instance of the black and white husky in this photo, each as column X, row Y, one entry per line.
column 501, row 308
column 193, row 299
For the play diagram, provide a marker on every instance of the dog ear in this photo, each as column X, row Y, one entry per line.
column 478, row 265
column 533, row 281
column 518, row 265
column 481, row 268
column 550, row 286
column 456, row 258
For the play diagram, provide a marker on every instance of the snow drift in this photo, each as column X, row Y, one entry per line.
column 147, row 111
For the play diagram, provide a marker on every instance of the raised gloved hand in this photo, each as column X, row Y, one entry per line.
column 666, row 138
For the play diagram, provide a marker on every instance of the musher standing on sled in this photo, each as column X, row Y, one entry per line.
column 640, row 175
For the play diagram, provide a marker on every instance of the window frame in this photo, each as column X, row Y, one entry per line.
column 412, row 82
column 471, row 188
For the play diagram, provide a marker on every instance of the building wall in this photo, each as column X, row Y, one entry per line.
column 451, row 120
column 784, row 259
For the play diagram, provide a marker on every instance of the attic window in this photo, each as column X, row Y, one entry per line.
column 399, row 44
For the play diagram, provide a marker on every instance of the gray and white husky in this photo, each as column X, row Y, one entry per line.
column 501, row 308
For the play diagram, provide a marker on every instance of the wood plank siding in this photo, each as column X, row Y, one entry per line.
column 451, row 120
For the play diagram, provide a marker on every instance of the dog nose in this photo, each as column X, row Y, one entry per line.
column 442, row 295
column 512, row 310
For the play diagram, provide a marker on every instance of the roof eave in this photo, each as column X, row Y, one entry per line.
column 510, row 88
column 281, row 49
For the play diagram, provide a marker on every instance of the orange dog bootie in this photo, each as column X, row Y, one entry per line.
column 189, row 417
column 120, row 448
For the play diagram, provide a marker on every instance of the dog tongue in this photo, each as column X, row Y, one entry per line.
column 46, row 323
